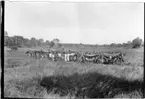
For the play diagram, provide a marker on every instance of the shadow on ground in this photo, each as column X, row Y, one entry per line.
column 91, row 85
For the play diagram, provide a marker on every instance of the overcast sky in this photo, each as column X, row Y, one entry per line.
column 88, row 23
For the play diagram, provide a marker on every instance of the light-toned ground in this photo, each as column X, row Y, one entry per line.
column 22, row 74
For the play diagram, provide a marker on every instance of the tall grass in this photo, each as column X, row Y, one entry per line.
column 93, row 85
column 24, row 76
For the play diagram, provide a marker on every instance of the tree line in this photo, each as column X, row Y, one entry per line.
column 135, row 43
column 20, row 41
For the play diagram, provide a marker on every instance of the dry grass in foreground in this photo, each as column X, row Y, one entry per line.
column 93, row 85
column 73, row 81
column 23, row 76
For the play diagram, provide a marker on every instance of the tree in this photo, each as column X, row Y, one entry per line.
column 9, row 42
column 136, row 43
column 41, row 40
column 47, row 41
column 51, row 44
column 33, row 42
column 124, row 44
column 112, row 45
column 118, row 45
column 129, row 44
column 56, row 40
column 18, row 41
column 27, row 42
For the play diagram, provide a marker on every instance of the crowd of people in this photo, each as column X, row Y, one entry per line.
column 70, row 55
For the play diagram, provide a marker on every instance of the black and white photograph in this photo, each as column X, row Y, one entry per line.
column 69, row 50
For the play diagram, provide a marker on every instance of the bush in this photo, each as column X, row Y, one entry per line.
column 51, row 44
column 136, row 43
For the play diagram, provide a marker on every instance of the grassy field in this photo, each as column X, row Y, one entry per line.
column 23, row 75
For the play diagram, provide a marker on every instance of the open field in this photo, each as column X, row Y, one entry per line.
column 23, row 75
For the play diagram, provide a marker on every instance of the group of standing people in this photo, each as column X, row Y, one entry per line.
column 70, row 55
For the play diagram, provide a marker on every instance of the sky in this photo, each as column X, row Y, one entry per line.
column 87, row 23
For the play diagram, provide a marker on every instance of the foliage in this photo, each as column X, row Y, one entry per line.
column 47, row 41
column 20, row 41
column 112, row 45
column 56, row 40
column 51, row 44
column 136, row 42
